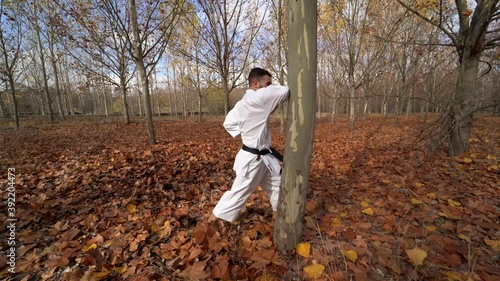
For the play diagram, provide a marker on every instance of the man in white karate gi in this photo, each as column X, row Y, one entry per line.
column 256, row 164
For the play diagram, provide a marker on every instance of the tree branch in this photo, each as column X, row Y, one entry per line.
column 438, row 25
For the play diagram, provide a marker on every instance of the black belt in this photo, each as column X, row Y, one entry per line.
column 265, row 151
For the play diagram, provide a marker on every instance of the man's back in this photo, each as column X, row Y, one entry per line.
column 249, row 117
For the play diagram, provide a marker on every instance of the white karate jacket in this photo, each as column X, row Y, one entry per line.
column 250, row 118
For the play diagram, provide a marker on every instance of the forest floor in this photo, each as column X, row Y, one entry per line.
column 94, row 201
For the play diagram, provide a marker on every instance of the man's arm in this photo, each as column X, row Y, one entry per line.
column 274, row 95
column 231, row 123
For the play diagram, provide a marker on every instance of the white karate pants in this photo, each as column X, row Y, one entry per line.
column 232, row 202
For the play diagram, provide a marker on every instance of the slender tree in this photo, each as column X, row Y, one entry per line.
column 11, row 37
column 229, row 29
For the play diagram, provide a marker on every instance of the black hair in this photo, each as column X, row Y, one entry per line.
column 257, row 73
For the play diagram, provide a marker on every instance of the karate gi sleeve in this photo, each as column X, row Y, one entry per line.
column 231, row 123
column 274, row 95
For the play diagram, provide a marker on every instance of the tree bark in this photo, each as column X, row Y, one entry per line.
column 44, row 74
column 139, row 61
column 300, row 121
column 56, row 75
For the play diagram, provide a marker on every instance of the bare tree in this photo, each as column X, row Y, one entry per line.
column 151, row 25
column 11, row 37
column 478, row 31
column 229, row 29
column 96, row 35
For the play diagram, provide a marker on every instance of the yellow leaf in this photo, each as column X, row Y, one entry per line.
column 431, row 195
column 120, row 269
column 332, row 209
column 419, row 184
column 495, row 244
column 364, row 204
column 416, row 255
column 350, row 255
column 467, row 160
column 386, row 181
column 454, row 203
column 491, row 157
column 464, row 237
column 166, row 225
column 101, row 274
column 368, row 211
column 473, row 155
column 304, row 249
column 336, row 222
column 343, row 215
column 452, row 275
column 132, row 208
column 315, row 270
column 396, row 185
column 415, row 201
column 88, row 248
column 430, row 228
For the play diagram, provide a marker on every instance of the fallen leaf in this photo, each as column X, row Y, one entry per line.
column 314, row 270
column 121, row 269
column 430, row 228
column 418, row 184
column 304, row 249
column 364, row 204
column 350, row 255
column 416, row 255
column 132, row 208
column 495, row 244
column 453, row 275
column 431, row 195
column 88, row 248
column 415, row 201
column 336, row 222
column 464, row 237
column 453, row 203
column 368, row 211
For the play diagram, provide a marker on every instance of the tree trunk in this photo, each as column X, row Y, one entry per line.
column 56, row 80
column 352, row 104
column 139, row 61
column 464, row 104
column 14, row 100
column 302, row 80
column 225, row 87
column 44, row 76
column 123, row 89
column 280, row 64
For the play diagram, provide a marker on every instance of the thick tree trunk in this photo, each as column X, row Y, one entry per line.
column 302, row 80
column 464, row 104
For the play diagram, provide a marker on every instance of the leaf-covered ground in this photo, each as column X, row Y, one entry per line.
column 94, row 201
